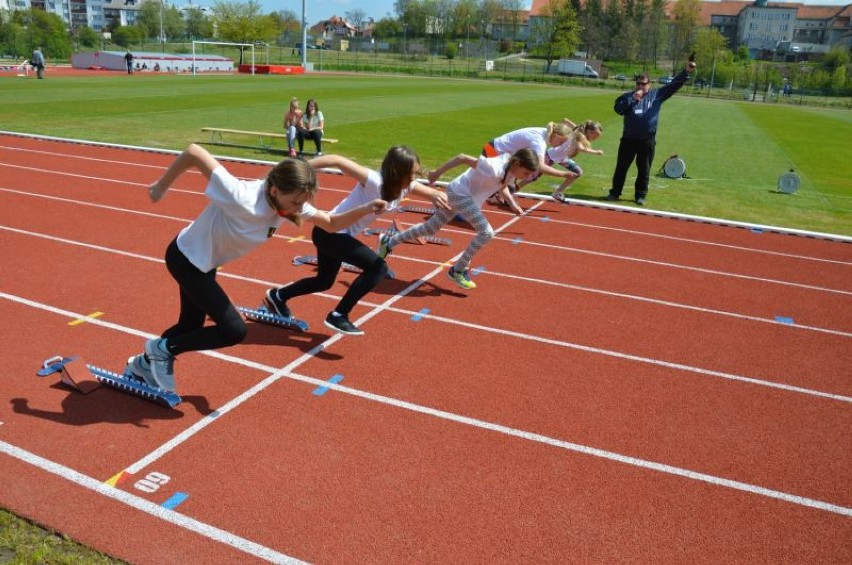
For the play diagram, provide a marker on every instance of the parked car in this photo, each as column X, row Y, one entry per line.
column 666, row 80
column 622, row 78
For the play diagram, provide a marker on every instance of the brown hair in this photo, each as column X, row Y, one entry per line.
column 293, row 176
column 526, row 158
column 399, row 162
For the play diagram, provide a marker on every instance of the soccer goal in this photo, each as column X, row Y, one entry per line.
column 239, row 46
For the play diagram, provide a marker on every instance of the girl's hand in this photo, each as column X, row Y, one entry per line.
column 377, row 206
column 156, row 191
column 439, row 199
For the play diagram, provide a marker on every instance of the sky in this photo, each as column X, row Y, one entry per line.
column 378, row 9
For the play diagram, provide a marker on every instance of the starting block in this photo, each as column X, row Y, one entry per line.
column 420, row 240
column 130, row 384
column 72, row 373
column 264, row 316
column 417, row 209
column 312, row 260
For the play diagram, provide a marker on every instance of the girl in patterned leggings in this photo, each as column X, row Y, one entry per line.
column 466, row 193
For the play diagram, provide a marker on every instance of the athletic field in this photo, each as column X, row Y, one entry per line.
column 734, row 152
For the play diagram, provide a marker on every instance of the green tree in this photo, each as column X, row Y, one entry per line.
column 686, row 14
column 558, row 32
column 242, row 22
column 87, row 37
column 125, row 36
column 198, row 25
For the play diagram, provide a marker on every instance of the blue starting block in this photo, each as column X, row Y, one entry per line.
column 71, row 373
column 130, row 384
column 264, row 316
column 312, row 260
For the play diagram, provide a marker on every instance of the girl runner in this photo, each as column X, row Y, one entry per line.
column 466, row 194
column 241, row 215
column 334, row 246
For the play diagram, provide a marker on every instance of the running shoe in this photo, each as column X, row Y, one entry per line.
column 383, row 249
column 342, row 324
column 140, row 369
column 461, row 278
column 559, row 197
column 162, row 364
column 275, row 304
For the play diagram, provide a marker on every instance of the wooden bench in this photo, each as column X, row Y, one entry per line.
column 264, row 139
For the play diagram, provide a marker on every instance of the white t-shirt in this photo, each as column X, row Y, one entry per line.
column 237, row 219
column 482, row 181
column 361, row 194
column 514, row 141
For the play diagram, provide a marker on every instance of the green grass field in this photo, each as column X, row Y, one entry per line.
column 734, row 151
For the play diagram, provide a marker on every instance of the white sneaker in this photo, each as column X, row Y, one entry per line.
column 162, row 364
column 140, row 369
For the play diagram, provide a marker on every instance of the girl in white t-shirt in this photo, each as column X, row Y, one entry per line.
column 241, row 215
column 336, row 246
column 466, row 193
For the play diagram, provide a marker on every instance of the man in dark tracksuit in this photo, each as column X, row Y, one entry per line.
column 641, row 110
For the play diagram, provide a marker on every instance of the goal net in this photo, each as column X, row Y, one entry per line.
column 223, row 48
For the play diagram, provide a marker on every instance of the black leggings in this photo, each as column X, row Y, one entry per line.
column 332, row 250
column 200, row 296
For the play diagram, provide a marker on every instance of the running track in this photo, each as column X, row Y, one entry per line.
column 622, row 387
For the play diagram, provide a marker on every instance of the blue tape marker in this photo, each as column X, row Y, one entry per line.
column 477, row 270
column 545, row 218
column 319, row 391
column 175, row 499
column 784, row 320
column 420, row 315
column 517, row 240
column 756, row 230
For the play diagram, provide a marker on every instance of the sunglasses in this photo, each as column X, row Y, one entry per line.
column 640, row 83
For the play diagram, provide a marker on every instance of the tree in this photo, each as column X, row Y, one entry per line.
column 125, row 36
column 87, row 37
column 356, row 17
column 558, row 31
column 198, row 25
column 708, row 45
column 686, row 14
column 242, row 22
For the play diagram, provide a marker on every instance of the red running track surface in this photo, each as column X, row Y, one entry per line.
column 619, row 387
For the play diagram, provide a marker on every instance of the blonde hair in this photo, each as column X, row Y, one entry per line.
column 580, row 132
column 557, row 128
column 293, row 176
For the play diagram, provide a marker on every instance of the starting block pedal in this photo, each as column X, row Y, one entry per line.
column 420, row 240
column 72, row 373
column 312, row 260
column 264, row 316
column 130, row 384
column 417, row 209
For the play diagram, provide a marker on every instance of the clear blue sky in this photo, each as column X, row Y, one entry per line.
column 378, row 9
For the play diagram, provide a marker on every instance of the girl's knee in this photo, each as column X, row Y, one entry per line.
column 234, row 329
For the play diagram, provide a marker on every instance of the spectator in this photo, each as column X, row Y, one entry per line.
column 310, row 126
column 38, row 62
column 128, row 61
column 641, row 111
column 291, row 125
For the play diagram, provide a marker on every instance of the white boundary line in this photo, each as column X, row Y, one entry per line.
column 600, row 205
column 419, row 282
column 155, row 510
column 277, row 374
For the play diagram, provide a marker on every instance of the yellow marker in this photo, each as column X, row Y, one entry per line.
column 79, row 321
column 115, row 478
column 298, row 238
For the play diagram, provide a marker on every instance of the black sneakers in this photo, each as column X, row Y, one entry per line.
column 342, row 324
column 276, row 305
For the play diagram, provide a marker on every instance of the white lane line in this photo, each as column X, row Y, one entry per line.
column 546, row 245
column 206, row 530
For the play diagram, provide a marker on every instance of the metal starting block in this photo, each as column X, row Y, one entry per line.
column 72, row 373
column 130, row 384
column 417, row 209
column 312, row 260
column 420, row 240
column 264, row 316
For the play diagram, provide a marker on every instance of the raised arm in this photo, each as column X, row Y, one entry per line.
column 347, row 166
column 193, row 156
column 460, row 159
column 437, row 197
column 336, row 222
